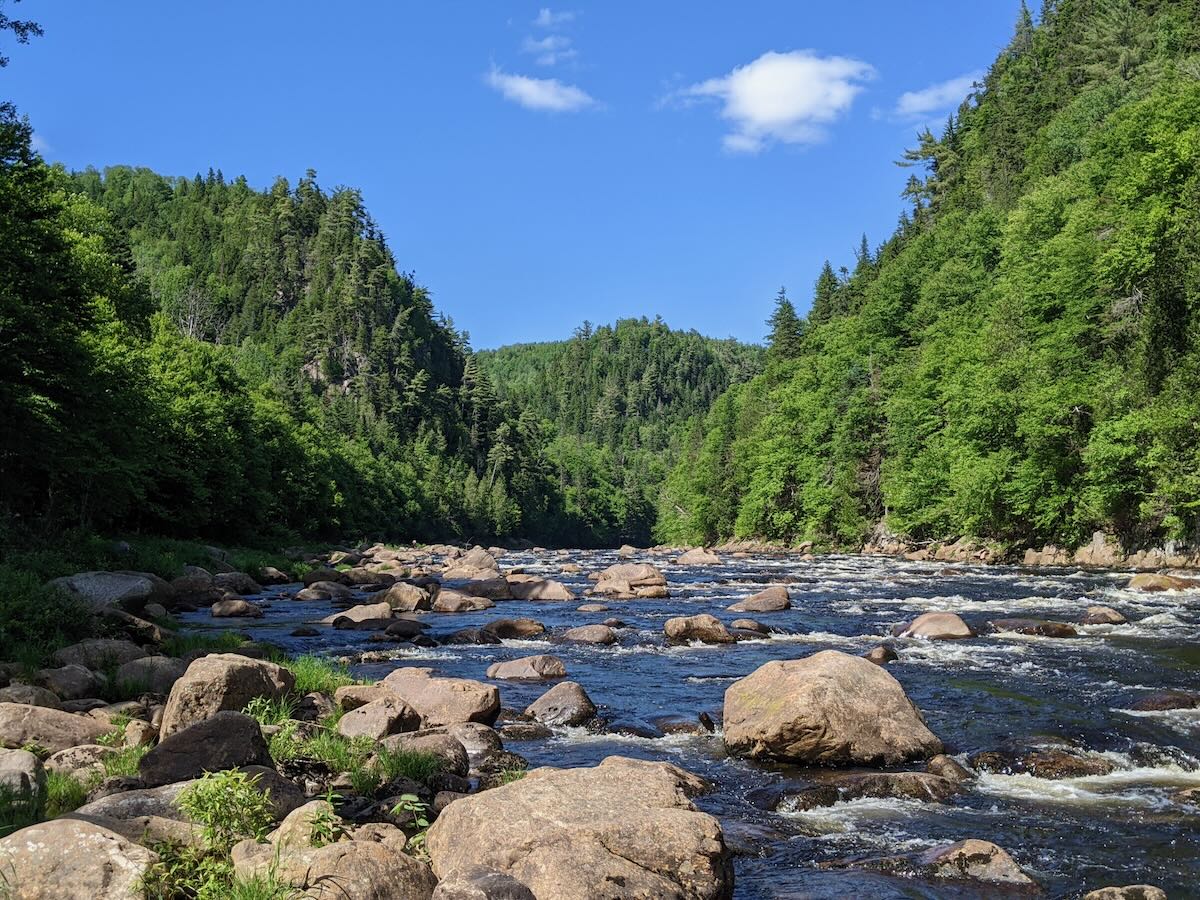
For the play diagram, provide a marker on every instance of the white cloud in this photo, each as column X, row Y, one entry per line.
column 38, row 144
column 548, row 94
column 784, row 97
column 936, row 98
column 547, row 18
column 550, row 50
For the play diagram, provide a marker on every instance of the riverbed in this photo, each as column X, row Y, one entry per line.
column 976, row 694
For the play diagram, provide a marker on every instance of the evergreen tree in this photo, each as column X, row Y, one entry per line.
column 787, row 330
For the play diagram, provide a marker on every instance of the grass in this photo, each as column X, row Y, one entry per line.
column 207, row 641
column 508, row 776
column 315, row 673
column 266, row 711
column 18, row 810
column 205, row 875
column 36, row 620
column 64, row 794
column 124, row 763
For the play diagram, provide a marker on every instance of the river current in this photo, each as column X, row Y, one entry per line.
column 977, row 694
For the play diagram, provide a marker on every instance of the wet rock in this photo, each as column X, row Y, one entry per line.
column 1102, row 615
column 99, row 653
column 221, row 681
column 490, row 585
column 1163, row 700
column 631, row 580
column 750, row 625
column 224, row 609
column 773, row 599
column 472, row 636
column 920, row 786
column 444, row 701
column 407, row 597
column 949, row 768
column 935, row 626
column 156, row 674
column 1041, row 762
column 378, row 719
column 881, row 655
column 592, row 608
column 590, row 634
column 1151, row 583
column 1129, row 892
column 529, row 587
column 226, row 740
column 435, row 742
column 305, row 631
column 30, row 695
column 130, row 591
column 360, row 613
column 449, row 601
column 628, row 727
column 525, row 731
column 622, row 829
column 826, row 709
column 540, row 667
column 567, row 703
column 515, row 629
column 1040, row 627
column 698, row 557
column 53, row 729
column 69, row 859
column 678, row 724
column 704, row 628
column 237, row 583
column 477, row 739
column 965, row 861
column 481, row 884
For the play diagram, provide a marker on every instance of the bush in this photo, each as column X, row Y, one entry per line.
column 64, row 794
column 314, row 673
column 228, row 806
column 36, row 620
column 187, row 872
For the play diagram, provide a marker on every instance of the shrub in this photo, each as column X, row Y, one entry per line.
column 228, row 806
column 36, row 620
column 64, row 794
column 314, row 673
column 266, row 711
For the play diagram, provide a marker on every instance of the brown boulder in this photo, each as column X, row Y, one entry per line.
column 221, row 681
column 539, row 667
column 70, row 859
column 1152, row 583
column 704, row 628
column 935, row 626
column 225, row 740
column 773, row 599
column 53, row 729
column 590, row 634
column 444, row 701
column 1034, row 627
column 378, row 719
column 567, row 703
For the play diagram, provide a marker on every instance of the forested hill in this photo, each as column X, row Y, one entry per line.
column 1019, row 360
column 617, row 401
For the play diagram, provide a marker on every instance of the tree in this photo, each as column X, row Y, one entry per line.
column 22, row 29
column 787, row 330
column 826, row 296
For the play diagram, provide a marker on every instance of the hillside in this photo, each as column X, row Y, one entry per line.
column 1019, row 360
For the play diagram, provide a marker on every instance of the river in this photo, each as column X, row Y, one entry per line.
column 1119, row 828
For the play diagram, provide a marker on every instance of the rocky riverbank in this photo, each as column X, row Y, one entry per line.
column 146, row 758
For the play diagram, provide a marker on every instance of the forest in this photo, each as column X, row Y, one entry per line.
column 1019, row 361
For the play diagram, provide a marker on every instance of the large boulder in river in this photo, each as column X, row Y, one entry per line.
column 564, row 704
column 407, row 597
column 221, row 681
column 125, row 590
column 362, row 613
column 1127, row 892
column 590, row 634
column 1147, row 581
column 624, row 828
column 935, row 626
column 53, row 729
column 704, row 628
column 971, row 860
column 379, row 718
column 530, row 587
column 514, row 629
column 69, row 859
column 444, row 701
column 698, row 557
column 773, row 599
column 540, row 667
column 827, row 709
column 1040, row 627
column 235, row 607
column 237, row 583
column 630, row 580
column 1102, row 615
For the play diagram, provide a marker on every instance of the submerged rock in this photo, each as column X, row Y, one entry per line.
column 704, row 628
column 935, row 626
column 1128, row 892
column 1102, row 615
column 971, row 860
column 1041, row 762
column 1040, row 627
column 773, row 599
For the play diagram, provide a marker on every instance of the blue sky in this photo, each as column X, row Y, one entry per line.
column 534, row 166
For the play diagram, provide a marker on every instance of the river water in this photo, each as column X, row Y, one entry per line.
column 1071, row 835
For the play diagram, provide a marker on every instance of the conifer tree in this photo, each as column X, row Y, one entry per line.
column 787, row 330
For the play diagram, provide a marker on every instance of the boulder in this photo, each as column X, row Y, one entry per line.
column 698, row 557
column 30, row 695
column 826, row 709
column 99, row 653
column 345, row 870
column 1128, row 892
column 69, row 682
column 590, row 634
column 920, row 786
column 156, row 674
column 965, row 861
column 444, row 701
column 227, row 740
column 407, row 597
column 1039, row 627
column 1152, row 583
column 624, row 828
column 435, row 742
column 80, row 762
column 361, row 613
column 53, row 729
column 631, row 580
column 528, row 587
column 1041, row 762
column 476, row 883
column 567, row 703
column 935, row 626
column 881, row 655
column 773, row 599
column 272, row 575
column 353, row 696
column 195, row 589
column 704, row 628
column 378, row 719
column 70, row 859
column 490, row 586
column 592, row 607
column 540, row 667
column 514, row 629
column 1102, row 615
column 318, row 575
column 1162, row 700
column 126, row 590
column 450, row 601
column 236, row 608
column 237, row 583
column 221, row 681
column 22, row 783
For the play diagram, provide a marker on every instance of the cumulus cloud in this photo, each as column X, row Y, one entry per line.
column 550, row 50
column 547, row 18
column 936, row 98
column 546, row 94
column 788, row 98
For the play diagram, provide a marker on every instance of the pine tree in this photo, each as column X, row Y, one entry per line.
column 787, row 329
column 826, row 295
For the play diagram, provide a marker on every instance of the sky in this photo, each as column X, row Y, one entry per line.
column 534, row 166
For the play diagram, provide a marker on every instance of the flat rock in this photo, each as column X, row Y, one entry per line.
column 345, row 870
column 30, row 695
column 514, row 629
column 773, row 599
column 126, row 590
column 226, row 740
column 53, row 729
column 698, row 557
column 529, row 587
column 540, row 667
column 444, row 701
column 1128, row 892
column 1041, row 627
column 70, row 859
column 379, row 718
column 590, row 634
column 361, row 613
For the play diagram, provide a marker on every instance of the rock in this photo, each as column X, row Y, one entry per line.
column 1102, row 615
column 69, row 859
column 225, row 740
column 1041, row 762
column 139, row 733
column 361, row 613
column 444, row 701
column 567, row 703
column 677, row 724
column 704, row 628
column 312, row 594
column 920, row 786
column 626, row 551
column 80, row 761
column 69, row 682
column 478, row 740
column 471, row 636
column 1162, row 700
column 622, row 829
column 590, row 634
column 826, row 709
column 304, row 631
column 525, row 731
column 936, row 626
column 407, row 597
column 195, row 589
column 749, row 625
column 631, row 580
column 226, row 609
column 514, row 629
column 1151, row 583
column 23, row 784
column 99, row 653
column 353, row 696
column 221, row 681
column 481, row 884
column 540, row 667
column 319, row 575
column 1129, row 892
column 30, row 695
column 52, row 729
column 949, row 768
column 435, row 742
column 450, row 601
column 478, row 558
column 130, row 591
column 773, row 599
column 592, row 608
column 1034, row 627
column 378, row 719
column 698, row 557
column 272, row 575
column 881, row 655
column 974, row 860
column 345, row 870
column 237, row 583
column 528, row 587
